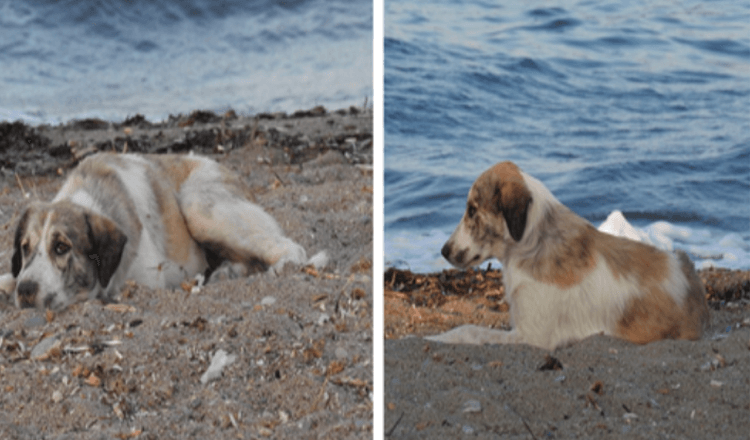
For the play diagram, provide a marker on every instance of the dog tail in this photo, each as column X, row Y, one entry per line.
column 696, row 306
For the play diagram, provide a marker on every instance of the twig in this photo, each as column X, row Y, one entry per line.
column 20, row 184
column 508, row 407
column 393, row 428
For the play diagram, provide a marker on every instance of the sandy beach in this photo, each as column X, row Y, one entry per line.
column 601, row 387
column 301, row 342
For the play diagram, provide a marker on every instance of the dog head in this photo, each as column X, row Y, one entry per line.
column 63, row 251
column 496, row 212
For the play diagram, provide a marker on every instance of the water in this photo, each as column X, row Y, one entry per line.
column 110, row 59
column 642, row 107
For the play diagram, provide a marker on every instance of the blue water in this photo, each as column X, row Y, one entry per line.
column 64, row 59
column 641, row 106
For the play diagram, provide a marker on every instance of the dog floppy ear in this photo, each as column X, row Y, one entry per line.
column 512, row 198
column 17, row 259
column 515, row 213
column 107, row 243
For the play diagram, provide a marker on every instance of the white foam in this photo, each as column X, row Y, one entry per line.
column 706, row 249
column 420, row 251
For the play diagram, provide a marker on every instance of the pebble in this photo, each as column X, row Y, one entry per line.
column 35, row 321
column 323, row 319
column 472, row 406
column 42, row 349
column 218, row 362
column 267, row 301
column 341, row 353
column 57, row 396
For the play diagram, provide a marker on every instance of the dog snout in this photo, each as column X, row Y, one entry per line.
column 446, row 251
column 455, row 258
column 27, row 291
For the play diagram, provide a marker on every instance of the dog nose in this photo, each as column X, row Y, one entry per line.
column 446, row 251
column 26, row 292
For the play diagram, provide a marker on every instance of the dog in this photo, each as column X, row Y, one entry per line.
column 565, row 280
column 154, row 219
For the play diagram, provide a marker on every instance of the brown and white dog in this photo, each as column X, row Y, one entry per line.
column 564, row 280
column 154, row 219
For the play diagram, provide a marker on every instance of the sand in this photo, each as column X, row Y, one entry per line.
column 300, row 343
column 601, row 387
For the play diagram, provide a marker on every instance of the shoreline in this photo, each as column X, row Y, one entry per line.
column 427, row 303
column 303, row 135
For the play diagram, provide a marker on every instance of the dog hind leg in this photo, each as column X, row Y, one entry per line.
column 220, row 217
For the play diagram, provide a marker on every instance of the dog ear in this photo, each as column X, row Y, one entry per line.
column 107, row 244
column 514, row 200
column 17, row 259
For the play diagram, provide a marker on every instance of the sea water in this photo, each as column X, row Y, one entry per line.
column 641, row 107
column 62, row 60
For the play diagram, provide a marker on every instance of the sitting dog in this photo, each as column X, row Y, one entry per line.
column 154, row 219
column 564, row 280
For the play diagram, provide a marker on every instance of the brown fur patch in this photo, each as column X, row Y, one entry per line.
column 651, row 317
column 179, row 245
column 655, row 315
column 648, row 265
column 502, row 189
column 176, row 167
column 566, row 250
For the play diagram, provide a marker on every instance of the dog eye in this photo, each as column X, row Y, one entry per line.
column 471, row 211
column 61, row 248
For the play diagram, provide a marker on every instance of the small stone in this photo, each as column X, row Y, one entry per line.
column 218, row 362
column 341, row 353
column 267, row 301
column 35, row 321
column 323, row 319
column 472, row 406
column 57, row 396
column 716, row 383
column 43, row 349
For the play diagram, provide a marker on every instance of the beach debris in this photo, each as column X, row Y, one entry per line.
column 551, row 363
column 93, row 380
column 45, row 349
column 267, row 301
column 717, row 362
column 120, row 308
column 219, row 360
column 471, row 406
column 597, row 387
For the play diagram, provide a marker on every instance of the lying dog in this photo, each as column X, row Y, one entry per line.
column 155, row 219
column 564, row 280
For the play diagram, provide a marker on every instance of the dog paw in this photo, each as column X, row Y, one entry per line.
column 319, row 260
column 228, row 271
column 7, row 286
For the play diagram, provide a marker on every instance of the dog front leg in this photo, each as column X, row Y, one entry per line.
column 473, row 334
column 7, row 286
